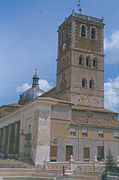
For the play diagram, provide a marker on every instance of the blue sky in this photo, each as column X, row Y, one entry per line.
column 28, row 40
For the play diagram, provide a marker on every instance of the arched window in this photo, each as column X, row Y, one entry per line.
column 83, row 31
column 88, row 62
column 91, row 84
column 84, row 83
column 95, row 63
column 93, row 33
column 81, row 60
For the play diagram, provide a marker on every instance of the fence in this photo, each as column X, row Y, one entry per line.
column 75, row 166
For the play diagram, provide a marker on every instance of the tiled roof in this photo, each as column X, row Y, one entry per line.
column 89, row 108
column 11, row 105
column 53, row 99
column 50, row 93
column 96, row 122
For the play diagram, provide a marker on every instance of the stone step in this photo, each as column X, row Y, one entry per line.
column 28, row 170
column 87, row 173
column 27, row 178
column 31, row 173
column 81, row 177
column 28, row 173
column 11, row 163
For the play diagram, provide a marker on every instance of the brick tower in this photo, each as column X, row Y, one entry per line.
column 80, row 61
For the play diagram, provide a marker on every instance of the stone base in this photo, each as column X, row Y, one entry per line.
column 26, row 159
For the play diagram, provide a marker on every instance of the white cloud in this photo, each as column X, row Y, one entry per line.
column 43, row 84
column 111, row 46
column 23, row 87
column 112, row 94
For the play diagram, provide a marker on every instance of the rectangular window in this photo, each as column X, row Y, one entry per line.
column 69, row 152
column 100, row 153
column 53, row 151
column 101, row 133
column 84, row 132
column 116, row 134
column 72, row 131
column 86, row 153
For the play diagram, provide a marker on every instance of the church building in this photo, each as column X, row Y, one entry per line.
column 70, row 119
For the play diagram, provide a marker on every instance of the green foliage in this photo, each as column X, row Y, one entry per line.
column 110, row 162
column 111, row 167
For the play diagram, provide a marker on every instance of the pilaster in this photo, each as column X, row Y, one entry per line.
column 8, row 144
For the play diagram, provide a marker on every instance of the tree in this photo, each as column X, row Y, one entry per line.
column 111, row 166
column 110, row 162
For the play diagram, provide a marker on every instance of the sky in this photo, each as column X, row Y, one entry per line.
column 28, row 41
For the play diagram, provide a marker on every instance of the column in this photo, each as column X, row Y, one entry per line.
column 22, row 136
column 1, row 140
column 42, row 130
column 11, row 143
column 1, row 135
column 16, row 139
column 4, row 138
column 21, row 145
column 8, row 144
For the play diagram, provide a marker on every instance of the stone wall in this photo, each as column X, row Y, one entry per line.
column 69, row 72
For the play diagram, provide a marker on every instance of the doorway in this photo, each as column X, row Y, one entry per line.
column 69, row 152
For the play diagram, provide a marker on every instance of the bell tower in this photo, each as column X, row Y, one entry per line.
column 80, row 60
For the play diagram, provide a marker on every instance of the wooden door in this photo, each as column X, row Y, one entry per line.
column 69, row 152
column 100, row 152
column 86, row 153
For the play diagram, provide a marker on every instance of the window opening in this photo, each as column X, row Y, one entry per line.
column 88, row 61
column 84, row 83
column 69, row 152
column 72, row 131
column 91, row 84
column 80, row 60
column 101, row 133
column 83, row 31
column 86, row 153
column 100, row 153
column 93, row 33
column 84, row 132
column 95, row 63
column 116, row 134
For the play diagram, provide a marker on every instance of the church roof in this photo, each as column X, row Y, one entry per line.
column 32, row 92
column 11, row 105
column 77, row 107
column 54, row 100
column 50, row 93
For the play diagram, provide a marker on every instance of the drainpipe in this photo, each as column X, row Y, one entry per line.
column 104, row 150
column 78, row 142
